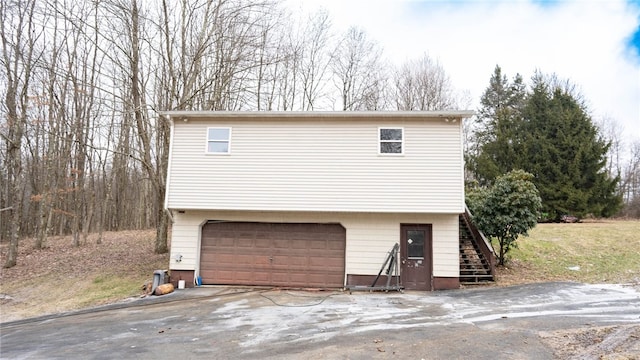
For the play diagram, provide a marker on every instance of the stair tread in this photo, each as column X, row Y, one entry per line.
column 474, row 266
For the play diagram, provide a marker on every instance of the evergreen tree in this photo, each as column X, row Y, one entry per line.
column 547, row 132
column 563, row 150
column 497, row 133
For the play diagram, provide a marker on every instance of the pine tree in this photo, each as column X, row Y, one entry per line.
column 497, row 134
column 547, row 132
column 563, row 150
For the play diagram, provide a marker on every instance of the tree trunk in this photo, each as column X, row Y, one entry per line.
column 17, row 59
column 502, row 252
column 143, row 127
column 162, row 229
column 14, row 231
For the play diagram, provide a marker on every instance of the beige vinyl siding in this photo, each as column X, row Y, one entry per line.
column 369, row 236
column 317, row 165
column 185, row 241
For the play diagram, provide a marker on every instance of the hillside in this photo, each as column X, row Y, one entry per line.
column 62, row 278
column 603, row 251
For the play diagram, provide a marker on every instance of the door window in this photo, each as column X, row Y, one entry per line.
column 415, row 244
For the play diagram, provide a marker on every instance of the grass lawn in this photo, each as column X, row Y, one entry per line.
column 604, row 251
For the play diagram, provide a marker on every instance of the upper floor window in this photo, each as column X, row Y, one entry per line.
column 391, row 140
column 218, row 140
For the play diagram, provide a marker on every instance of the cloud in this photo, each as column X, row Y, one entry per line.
column 633, row 41
column 595, row 44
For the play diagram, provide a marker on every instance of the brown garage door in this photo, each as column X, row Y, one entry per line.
column 272, row 254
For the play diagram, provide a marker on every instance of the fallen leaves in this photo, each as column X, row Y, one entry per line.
column 123, row 250
column 31, row 287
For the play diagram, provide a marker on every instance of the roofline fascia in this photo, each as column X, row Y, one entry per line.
column 461, row 114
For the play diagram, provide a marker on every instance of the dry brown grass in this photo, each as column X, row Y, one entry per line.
column 61, row 277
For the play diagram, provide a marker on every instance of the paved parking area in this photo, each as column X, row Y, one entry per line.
column 537, row 321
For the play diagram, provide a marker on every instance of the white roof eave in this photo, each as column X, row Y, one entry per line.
column 458, row 114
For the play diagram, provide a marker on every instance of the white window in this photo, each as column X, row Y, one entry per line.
column 218, row 140
column 391, row 141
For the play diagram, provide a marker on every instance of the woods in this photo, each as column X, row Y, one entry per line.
column 82, row 147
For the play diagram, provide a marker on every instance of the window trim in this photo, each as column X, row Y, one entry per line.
column 380, row 141
column 227, row 141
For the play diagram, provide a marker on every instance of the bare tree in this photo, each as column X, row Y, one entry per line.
column 268, row 60
column 19, row 37
column 358, row 71
column 612, row 131
column 623, row 162
column 423, row 85
column 314, row 60
column 199, row 55
column 630, row 182
column 287, row 75
column 83, row 146
column 143, row 125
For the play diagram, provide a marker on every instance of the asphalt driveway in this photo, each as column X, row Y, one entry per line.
column 538, row 321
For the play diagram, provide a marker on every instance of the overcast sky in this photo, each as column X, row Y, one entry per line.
column 595, row 44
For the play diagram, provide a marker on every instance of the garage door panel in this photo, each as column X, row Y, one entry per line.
column 297, row 278
column 279, row 277
column 281, row 244
column 275, row 254
column 251, row 261
column 244, row 276
column 318, row 245
column 327, row 262
column 289, row 261
column 239, row 275
column 262, row 260
column 245, row 243
column 264, row 244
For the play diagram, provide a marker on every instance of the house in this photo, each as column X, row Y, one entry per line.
column 315, row 199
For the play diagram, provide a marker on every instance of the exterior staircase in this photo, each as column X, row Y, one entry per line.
column 477, row 259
